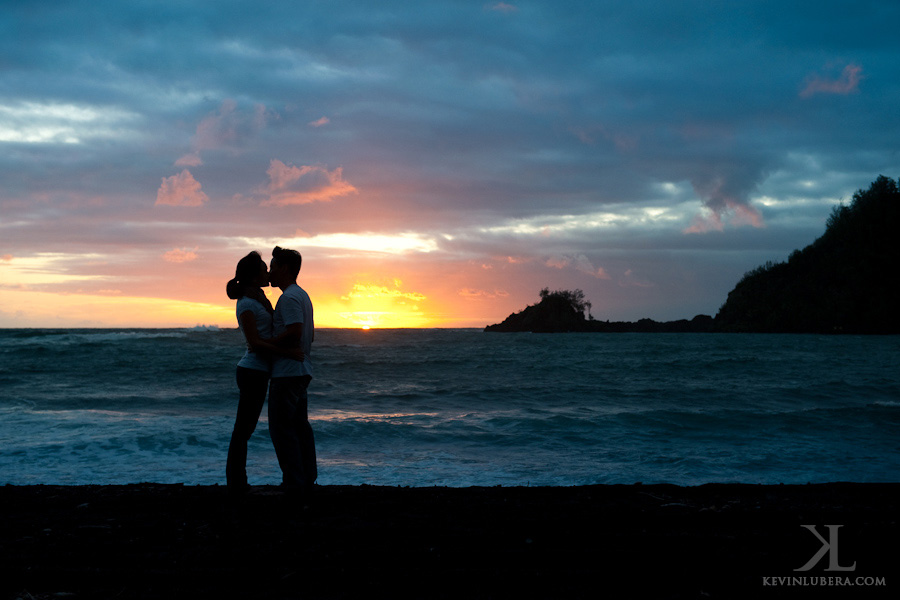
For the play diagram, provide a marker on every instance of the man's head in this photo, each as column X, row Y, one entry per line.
column 285, row 267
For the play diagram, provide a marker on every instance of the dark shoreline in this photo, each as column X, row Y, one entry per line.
column 656, row 541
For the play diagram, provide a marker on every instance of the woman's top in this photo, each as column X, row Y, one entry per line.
column 252, row 360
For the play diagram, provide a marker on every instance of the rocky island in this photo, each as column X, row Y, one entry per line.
column 844, row 282
column 563, row 311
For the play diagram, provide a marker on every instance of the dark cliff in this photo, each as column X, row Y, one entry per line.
column 844, row 282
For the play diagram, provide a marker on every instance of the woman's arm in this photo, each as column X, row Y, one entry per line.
column 260, row 345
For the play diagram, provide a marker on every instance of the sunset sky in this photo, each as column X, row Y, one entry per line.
column 436, row 163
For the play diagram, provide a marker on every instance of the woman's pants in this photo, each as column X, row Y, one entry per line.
column 253, row 385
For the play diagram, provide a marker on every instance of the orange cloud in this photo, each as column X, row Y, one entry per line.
column 473, row 294
column 181, row 190
column 516, row 260
column 6, row 257
column 189, row 160
column 741, row 214
column 382, row 291
column 180, row 255
column 710, row 221
column 847, row 83
column 301, row 185
column 320, row 122
column 744, row 214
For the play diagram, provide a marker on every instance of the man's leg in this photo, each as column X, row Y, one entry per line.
column 305, row 436
column 287, row 407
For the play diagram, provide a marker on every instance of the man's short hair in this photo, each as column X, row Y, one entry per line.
column 288, row 258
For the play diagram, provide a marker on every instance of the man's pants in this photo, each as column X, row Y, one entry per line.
column 291, row 432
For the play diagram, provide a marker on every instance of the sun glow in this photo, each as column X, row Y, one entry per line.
column 374, row 306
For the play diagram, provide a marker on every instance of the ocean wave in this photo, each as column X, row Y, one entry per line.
column 459, row 408
column 57, row 339
column 886, row 403
column 202, row 328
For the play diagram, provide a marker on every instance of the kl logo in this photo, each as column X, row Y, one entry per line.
column 829, row 547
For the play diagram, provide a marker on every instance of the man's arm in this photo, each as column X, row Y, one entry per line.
column 260, row 345
column 291, row 337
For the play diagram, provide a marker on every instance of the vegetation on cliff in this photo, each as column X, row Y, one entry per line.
column 844, row 282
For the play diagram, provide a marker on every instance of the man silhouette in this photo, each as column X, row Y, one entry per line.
column 289, row 425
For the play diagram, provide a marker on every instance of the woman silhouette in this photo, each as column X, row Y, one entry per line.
column 254, row 315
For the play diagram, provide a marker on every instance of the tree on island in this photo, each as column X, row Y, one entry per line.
column 558, row 311
column 573, row 299
column 563, row 311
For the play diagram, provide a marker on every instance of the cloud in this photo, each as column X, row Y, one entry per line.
column 579, row 262
column 630, row 279
column 6, row 258
column 181, row 190
column 226, row 128
column 372, row 291
column 467, row 134
column 180, row 255
column 51, row 123
column 847, row 83
column 723, row 190
column 301, row 185
column 711, row 220
column 189, row 160
column 219, row 129
column 477, row 294
column 590, row 135
column 502, row 7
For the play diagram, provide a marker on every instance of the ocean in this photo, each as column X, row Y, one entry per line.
column 459, row 407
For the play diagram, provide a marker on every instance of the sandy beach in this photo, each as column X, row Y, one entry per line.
column 660, row 541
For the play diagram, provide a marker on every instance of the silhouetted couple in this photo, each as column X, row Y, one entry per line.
column 277, row 360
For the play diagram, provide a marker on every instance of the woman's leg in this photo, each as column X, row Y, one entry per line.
column 253, row 386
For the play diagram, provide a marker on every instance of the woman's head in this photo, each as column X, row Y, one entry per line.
column 251, row 272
